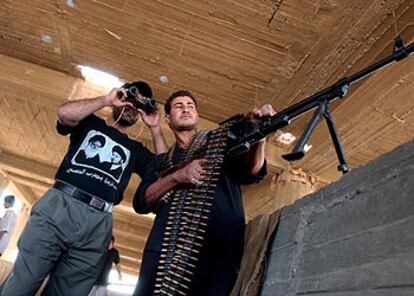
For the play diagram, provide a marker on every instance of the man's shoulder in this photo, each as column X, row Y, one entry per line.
column 11, row 212
column 85, row 124
column 95, row 118
column 92, row 120
column 9, row 216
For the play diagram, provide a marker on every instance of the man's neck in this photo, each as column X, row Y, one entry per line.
column 183, row 138
column 111, row 122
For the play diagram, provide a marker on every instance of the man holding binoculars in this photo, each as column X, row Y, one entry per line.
column 70, row 227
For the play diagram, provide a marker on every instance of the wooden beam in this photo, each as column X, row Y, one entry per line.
column 32, row 183
column 48, row 88
column 133, row 219
column 126, row 218
column 65, row 44
column 126, row 251
column 131, row 265
column 130, row 238
column 25, row 167
column 124, row 208
column 130, row 268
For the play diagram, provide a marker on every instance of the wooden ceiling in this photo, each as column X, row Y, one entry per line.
column 233, row 55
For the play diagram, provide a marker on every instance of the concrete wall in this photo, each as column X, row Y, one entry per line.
column 353, row 237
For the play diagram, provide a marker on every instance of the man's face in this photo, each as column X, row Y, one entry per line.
column 93, row 148
column 116, row 158
column 183, row 115
column 95, row 145
column 129, row 117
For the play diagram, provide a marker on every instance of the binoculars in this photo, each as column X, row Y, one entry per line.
column 140, row 95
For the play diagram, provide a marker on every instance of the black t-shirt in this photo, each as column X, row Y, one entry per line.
column 100, row 159
column 112, row 256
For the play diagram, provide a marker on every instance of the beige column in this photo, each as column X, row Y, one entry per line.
column 276, row 191
column 290, row 185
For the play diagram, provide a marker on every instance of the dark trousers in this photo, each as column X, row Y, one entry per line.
column 64, row 238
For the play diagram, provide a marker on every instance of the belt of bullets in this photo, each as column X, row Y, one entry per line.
column 188, row 218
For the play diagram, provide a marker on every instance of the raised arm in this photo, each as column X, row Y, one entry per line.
column 152, row 121
column 71, row 113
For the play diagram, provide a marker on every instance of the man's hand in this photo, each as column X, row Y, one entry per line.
column 263, row 111
column 116, row 98
column 152, row 120
column 192, row 173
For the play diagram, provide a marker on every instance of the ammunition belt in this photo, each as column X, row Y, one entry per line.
column 188, row 217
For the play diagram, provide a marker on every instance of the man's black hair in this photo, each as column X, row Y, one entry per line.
column 9, row 199
column 178, row 93
column 98, row 138
column 121, row 152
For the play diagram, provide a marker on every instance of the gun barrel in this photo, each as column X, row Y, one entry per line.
column 338, row 89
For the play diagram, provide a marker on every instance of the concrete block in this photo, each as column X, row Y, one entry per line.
column 353, row 237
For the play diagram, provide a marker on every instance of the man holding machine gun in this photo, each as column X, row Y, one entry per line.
column 200, row 258
column 70, row 227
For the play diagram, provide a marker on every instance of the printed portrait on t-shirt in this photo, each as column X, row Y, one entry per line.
column 100, row 153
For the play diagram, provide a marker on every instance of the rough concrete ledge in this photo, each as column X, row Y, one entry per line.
column 353, row 237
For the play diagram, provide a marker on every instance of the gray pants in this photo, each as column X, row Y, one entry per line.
column 64, row 238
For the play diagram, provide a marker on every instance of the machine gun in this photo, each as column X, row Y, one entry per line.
column 244, row 132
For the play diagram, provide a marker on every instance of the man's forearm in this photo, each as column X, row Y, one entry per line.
column 256, row 157
column 71, row 113
column 159, row 188
column 158, row 140
column 185, row 175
